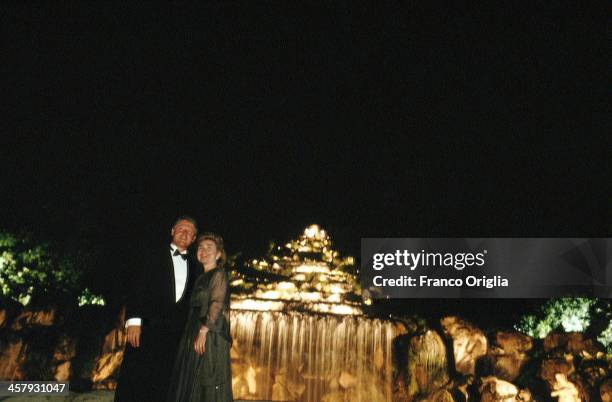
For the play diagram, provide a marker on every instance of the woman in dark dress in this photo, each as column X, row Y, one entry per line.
column 202, row 372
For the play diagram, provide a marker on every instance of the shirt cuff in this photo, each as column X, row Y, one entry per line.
column 133, row 321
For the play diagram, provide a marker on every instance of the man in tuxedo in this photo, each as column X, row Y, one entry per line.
column 156, row 311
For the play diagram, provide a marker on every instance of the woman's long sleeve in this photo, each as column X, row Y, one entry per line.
column 218, row 288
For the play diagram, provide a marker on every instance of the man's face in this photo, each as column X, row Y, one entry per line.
column 183, row 234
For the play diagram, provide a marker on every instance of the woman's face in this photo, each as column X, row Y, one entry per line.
column 208, row 253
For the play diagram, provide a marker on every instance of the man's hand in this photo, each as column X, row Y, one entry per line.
column 133, row 335
column 200, row 343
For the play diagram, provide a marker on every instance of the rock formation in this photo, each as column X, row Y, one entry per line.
column 508, row 354
column 571, row 342
column 357, row 359
column 427, row 369
column 469, row 343
column 605, row 391
column 493, row 389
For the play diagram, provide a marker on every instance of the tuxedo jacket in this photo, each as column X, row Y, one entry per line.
column 153, row 296
column 146, row 371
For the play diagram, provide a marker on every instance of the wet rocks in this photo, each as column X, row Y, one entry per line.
column 427, row 364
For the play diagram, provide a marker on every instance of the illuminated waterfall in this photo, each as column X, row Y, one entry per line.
column 305, row 357
column 304, row 337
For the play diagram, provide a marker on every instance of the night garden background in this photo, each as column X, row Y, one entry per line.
column 261, row 119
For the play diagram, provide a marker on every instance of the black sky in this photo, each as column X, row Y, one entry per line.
column 258, row 118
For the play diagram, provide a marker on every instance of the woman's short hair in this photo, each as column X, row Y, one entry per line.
column 218, row 240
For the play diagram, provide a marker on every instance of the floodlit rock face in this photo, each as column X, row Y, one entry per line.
column 495, row 390
column 469, row 343
column 441, row 395
column 29, row 318
column 110, row 359
column 565, row 390
column 12, row 360
column 63, row 354
column 553, row 366
column 572, row 342
column 427, row 369
column 62, row 371
column 65, row 349
column 525, row 395
column 106, row 366
column 605, row 391
column 567, row 382
column 508, row 354
column 36, row 344
column 304, row 357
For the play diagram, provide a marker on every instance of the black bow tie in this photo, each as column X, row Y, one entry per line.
column 177, row 252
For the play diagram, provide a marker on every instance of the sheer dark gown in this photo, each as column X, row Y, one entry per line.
column 206, row 378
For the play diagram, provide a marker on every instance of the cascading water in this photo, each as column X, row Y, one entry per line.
column 311, row 358
column 299, row 331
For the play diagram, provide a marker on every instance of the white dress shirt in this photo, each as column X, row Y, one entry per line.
column 180, row 272
column 180, row 280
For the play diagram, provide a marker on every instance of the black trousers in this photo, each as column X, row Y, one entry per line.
column 146, row 371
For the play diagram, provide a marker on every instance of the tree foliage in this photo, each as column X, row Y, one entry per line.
column 33, row 273
column 581, row 314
